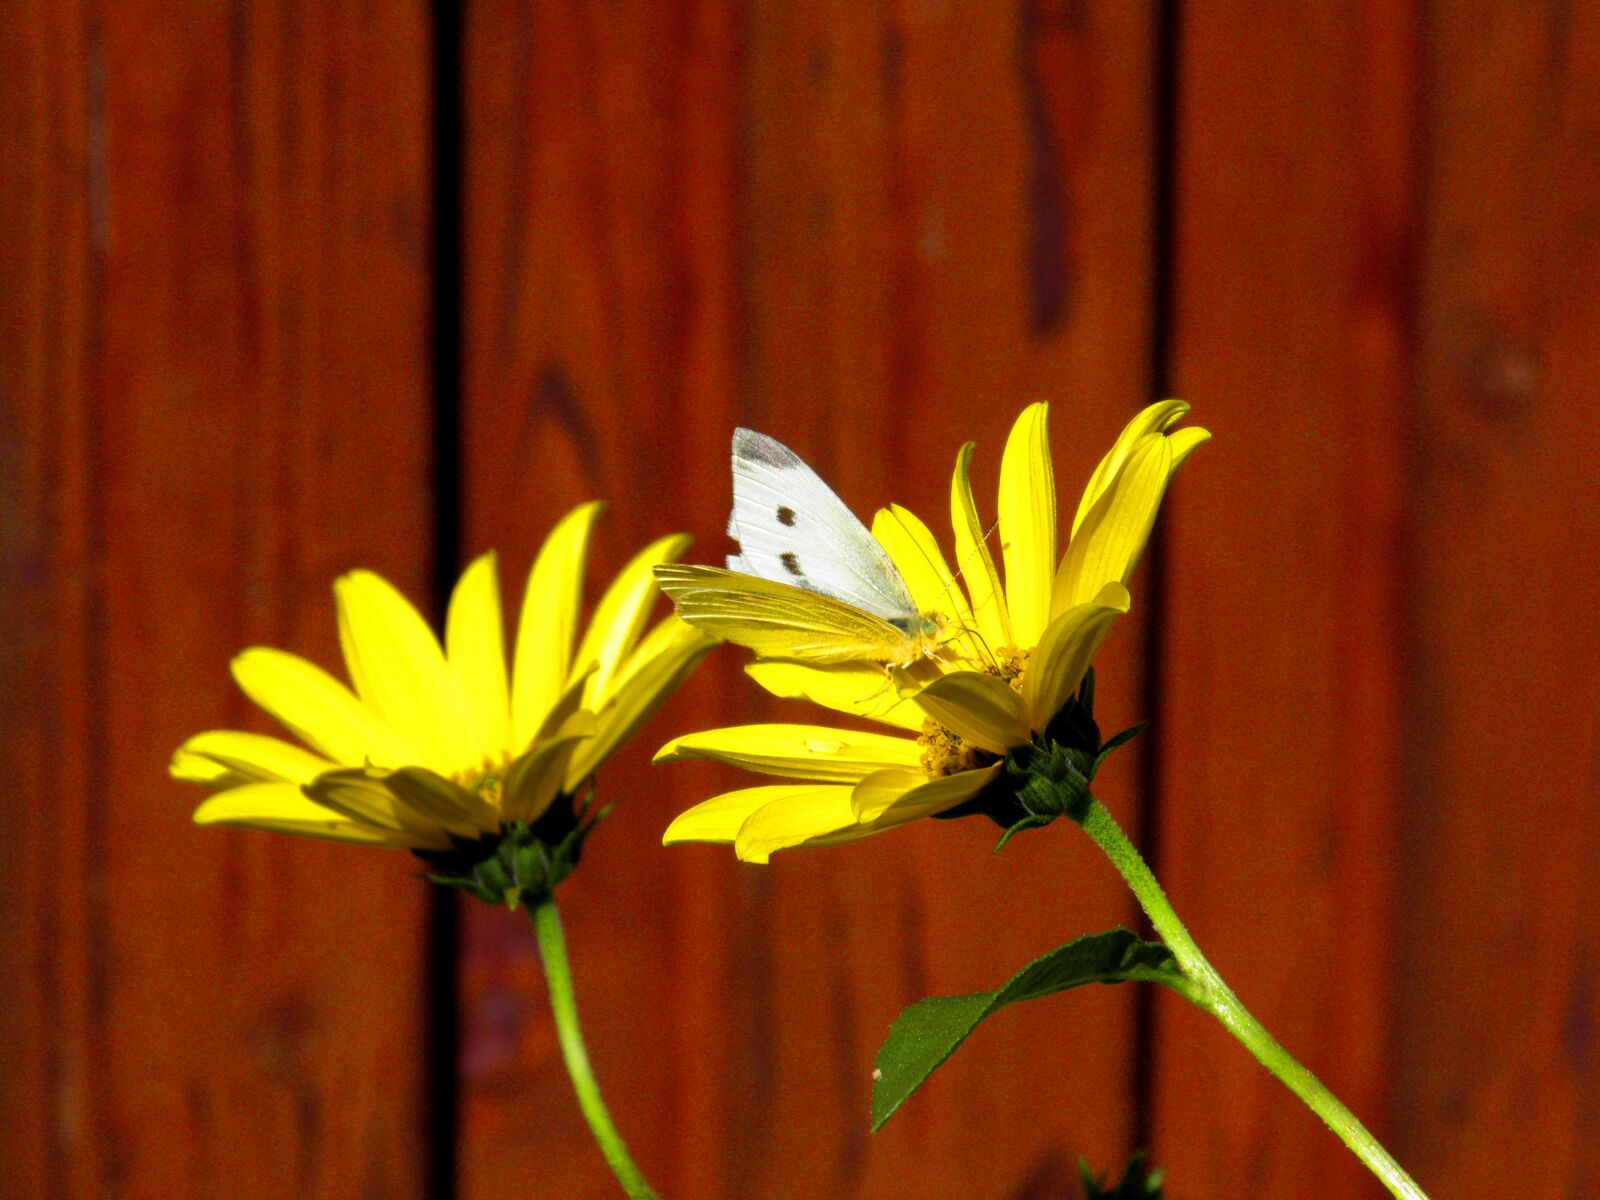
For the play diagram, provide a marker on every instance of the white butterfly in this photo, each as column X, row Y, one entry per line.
column 810, row 581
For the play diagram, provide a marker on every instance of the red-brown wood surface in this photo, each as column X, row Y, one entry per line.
column 1379, row 793
column 908, row 294
column 1280, row 668
column 1495, row 1048
column 775, row 217
column 874, row 232
column 599, row 325
column 213, row 352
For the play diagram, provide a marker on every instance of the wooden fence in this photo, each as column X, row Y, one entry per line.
column 288, row 287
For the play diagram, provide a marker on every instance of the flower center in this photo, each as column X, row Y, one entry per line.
column 1011, row 664
column 486, row 784
column 943, row 753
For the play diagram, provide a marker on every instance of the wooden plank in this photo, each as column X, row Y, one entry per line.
column 1495, row 1036
column 1281, row 658
column 44, row 257
column 779, row 218
column 909, row 292
column 600, row 309
column 214, row 400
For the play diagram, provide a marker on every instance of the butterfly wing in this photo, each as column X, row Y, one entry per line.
column 777, row 620
column 793, row 530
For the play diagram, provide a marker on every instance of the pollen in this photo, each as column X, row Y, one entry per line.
column 943, row 753
column 487, row 785
column 1011, row 664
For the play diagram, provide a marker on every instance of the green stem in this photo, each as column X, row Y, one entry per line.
column 1207, row 991
column 564, row 1004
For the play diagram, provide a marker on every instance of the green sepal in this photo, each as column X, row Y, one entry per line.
column 1074, row 725
column 1120, row 739
column 523, row 863
column 1051, row 777
column 1025, row 823
column 929, row 1032
column 1050, row 780
column 1137, row 1183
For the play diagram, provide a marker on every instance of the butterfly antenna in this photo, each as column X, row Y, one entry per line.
column 937, row 567
column 988, row 651
column 961, row 567
column 978, row 640
column 952, row 591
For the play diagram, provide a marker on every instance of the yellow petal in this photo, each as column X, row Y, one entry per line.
column 284, row 808
column 318, row 709
column 1113, row 535
column 474, row 638
column 874, row 794
column 1153, row 419
column 535, row 779
column 207, row 772
column 860, row 689
column 636, row 696
column 718, row 819
column 1184, row 443
column 974, row 563
column 361, row 796
column 400, row 672
column 982, row 710
column 667, row 636
column 620, row 616
column 798, row 751
column 226, row 754
column 894, row 797
column 1028, row 524
column 549, row 622
column 443, row 802
column 819, row 811
column 569, row 702
column 806, row 817
column 916, row 554
column 1065, row 651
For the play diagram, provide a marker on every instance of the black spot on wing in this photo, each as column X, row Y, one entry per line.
column 791, row 563
column 786, row 515
column 758, row 447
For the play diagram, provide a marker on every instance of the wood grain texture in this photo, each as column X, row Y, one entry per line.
column 1281, row 667
column 908, row 292
column 776, row 216
column 213, row 401
column 1495, row 1043
column 599, row 341
column 874, row 232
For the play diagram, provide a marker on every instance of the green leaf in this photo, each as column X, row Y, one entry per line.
column 928, row 1032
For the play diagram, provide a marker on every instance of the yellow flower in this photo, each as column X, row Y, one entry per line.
column 437, row 747
column 1020, row 654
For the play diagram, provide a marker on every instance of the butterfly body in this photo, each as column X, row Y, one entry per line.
column 809, row 581
column 923, row 625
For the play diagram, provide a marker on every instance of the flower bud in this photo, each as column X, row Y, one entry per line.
column 522, row 864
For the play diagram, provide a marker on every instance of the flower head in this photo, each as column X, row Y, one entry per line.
column 1017, row 660
column 438, row 749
